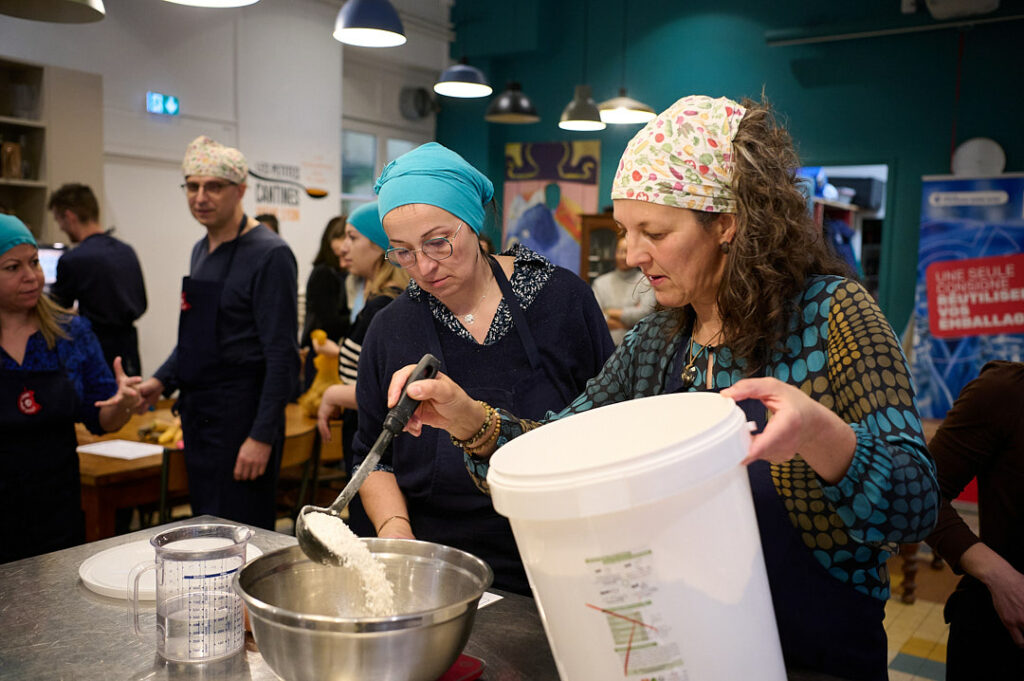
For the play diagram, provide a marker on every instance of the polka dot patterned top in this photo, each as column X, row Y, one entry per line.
column 842, row 352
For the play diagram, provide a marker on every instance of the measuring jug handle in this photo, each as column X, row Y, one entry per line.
column 133, row 594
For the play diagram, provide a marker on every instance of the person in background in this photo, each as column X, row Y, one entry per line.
column 362, row 254
column 102, row 273
column 983, row 436
column 526, row 335
column 754, row 307
column 326, row 300
column 52, row 375
column 236, row 361
column 623, row 294
column 270, row 221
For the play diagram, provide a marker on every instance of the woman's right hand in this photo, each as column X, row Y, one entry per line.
column 443, row 404
column 328, row 347
column 329, row 409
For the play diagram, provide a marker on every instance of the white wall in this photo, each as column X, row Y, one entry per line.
column 266, row 78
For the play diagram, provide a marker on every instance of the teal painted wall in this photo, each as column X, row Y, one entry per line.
column 877, row 100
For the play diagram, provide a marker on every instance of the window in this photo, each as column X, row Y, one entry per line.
column 365, row 150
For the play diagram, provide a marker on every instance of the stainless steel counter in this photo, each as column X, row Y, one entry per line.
column 52, row 627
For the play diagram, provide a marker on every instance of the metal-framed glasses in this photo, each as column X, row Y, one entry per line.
column 213, row 188
column 438, row 248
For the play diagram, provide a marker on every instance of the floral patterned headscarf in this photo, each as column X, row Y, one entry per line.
column 684, row 157
column 206, row 157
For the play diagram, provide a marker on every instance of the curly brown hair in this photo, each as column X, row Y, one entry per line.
column 777, row 244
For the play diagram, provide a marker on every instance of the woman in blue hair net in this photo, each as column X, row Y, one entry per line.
column 514, row 329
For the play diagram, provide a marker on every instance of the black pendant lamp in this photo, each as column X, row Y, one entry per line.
column 511, row 106
column 59, row 11
column 581, row 113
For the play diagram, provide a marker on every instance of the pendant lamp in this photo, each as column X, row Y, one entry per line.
column 218, row 4
column 462, row 80
column 511, row 106
column 60, row 11
column 581, row 113
column 625, row 110
column 369, row 23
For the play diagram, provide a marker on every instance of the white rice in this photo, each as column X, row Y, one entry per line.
column 340, row 540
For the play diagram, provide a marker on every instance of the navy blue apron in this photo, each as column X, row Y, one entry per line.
column 825, row 626
column 218, row 405
column 444, row 504
column 40, row 488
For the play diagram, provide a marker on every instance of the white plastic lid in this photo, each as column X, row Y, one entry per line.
column 617, row 457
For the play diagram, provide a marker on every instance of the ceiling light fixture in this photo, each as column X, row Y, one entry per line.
column 511, row 106
column 623, row 110
column 464, row 81
column 59, row 11
column 217, row 4
column 369, row 23
column 581, row 113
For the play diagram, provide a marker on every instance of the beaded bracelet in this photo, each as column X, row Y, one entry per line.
column 489, row 442
column 468, row 442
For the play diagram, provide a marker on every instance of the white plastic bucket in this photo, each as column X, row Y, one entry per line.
column 637, row 529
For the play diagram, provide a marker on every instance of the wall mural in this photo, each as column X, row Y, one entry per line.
column 548, row 185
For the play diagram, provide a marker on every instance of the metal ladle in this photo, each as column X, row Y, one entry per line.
column 394, row 422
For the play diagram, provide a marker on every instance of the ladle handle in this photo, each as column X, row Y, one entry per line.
column 394, row 422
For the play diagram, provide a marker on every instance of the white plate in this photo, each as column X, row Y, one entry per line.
column 106, row 573
column 121, row 449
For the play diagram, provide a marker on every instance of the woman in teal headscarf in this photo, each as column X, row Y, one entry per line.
column 518, row 331
column 52, row 375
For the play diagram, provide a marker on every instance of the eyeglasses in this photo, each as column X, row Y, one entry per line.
column 211, row 188
column 438, row 248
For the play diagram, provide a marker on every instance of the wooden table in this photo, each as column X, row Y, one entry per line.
column 109, row 483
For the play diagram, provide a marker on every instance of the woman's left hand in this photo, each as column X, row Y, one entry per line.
column 798, row 425
column 127, row 397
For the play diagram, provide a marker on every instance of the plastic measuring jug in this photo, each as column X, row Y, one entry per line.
column 198, row 614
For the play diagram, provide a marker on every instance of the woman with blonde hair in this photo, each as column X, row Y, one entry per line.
column 52, row 375
column 757, row 308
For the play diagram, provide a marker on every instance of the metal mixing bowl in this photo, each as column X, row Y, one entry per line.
column 302, row 613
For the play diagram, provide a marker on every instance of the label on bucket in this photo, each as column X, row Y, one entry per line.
column 624, row 592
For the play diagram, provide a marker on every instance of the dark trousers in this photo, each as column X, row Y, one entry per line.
column 979, row 646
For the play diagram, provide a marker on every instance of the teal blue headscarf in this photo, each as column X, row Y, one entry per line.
column 437, row 176
column 366, row 220
column 13, row 232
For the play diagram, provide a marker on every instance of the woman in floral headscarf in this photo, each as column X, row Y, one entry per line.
column 757, row 308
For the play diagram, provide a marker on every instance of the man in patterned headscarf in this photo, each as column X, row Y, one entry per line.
column 236, row 361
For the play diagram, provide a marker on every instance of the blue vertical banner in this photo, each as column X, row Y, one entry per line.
column 969, row 298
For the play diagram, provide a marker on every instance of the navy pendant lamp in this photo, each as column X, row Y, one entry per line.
column 369, row 23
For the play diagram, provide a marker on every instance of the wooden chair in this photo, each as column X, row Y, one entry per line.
column 299, row 461
column 173, row 483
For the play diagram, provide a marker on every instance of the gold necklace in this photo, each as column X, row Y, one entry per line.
column 689, row 373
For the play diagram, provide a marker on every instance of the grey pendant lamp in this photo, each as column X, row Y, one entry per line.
column 581, row 113
column 369, row 23
column 512, row 106
column 59, row 11
column 623, row 110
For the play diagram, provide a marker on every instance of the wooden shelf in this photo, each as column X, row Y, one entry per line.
column 837, row 204
column 30, row 184
column 22, row 122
